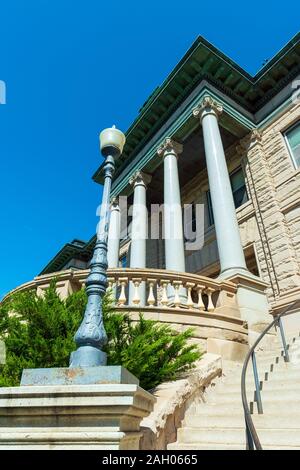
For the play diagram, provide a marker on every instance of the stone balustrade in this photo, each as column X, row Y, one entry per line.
column 211, row 307
column 202, row 292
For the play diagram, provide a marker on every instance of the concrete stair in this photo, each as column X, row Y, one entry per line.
column 217, row 422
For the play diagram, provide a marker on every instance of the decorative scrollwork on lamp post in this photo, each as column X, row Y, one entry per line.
column 91, row 336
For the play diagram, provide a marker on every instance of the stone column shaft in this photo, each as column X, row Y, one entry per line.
column 173, row 226
column 232, row 259
column 139, row 229
column 113, row 245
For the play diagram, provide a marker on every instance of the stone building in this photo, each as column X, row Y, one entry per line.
column 213, row 135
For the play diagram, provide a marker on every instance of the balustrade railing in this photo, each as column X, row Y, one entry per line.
column 202, row 292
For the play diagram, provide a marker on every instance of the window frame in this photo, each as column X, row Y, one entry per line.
column 239, row 168
column 289, row 129
column 124, row 256
column 210, row 212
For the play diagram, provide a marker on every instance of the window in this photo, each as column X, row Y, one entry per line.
column 239, row 193
column 292, row 137
column 123, row 261
column 209, row 209
column 238, row 186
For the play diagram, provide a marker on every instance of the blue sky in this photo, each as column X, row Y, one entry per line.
column 74, row 67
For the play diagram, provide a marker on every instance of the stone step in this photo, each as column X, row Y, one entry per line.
column 265, row 362
column 288, row 373
column 280, row 405
column 184, row 446
column 233, row 420
column 214, row 446
column 281, row 385
column 236, row 389
column 236, row 436
column 275, row 420
column 215, row 410
column 287, row 367
column 285, row 378
column 267, row 394
column 229, row 397
column 236, row 420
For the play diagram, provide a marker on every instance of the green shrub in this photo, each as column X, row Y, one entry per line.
column 40, row 333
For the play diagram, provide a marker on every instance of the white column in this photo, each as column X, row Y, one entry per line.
column 113, row 244
column 173, row 227
column 232, row 259
column 139, row 229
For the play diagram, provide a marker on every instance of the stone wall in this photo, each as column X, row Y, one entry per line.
column 274, row 186
column 172, row 399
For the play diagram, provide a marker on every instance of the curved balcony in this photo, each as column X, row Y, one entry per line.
column 211, row 307
column 202, row 292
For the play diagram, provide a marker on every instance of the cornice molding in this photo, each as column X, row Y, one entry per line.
column 151, row 152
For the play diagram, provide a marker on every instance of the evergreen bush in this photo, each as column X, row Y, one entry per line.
column 39, row 332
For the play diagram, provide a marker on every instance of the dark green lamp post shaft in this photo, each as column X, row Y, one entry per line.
column 91, row 336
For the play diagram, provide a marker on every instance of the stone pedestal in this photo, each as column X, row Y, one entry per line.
column 252, row 303
column 90, row 408
column 73, row 417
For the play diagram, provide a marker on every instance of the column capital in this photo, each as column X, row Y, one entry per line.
column 207, row 106
column 140, row 178
column 251, row 139
column 114, row 203
column 169, row 146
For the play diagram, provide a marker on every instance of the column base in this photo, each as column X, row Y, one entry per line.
column 65, row 414
column 232, row 272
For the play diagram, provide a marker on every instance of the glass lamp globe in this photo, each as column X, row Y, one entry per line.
column 112, row 142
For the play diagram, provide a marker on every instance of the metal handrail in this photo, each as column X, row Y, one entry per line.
column 253, row 441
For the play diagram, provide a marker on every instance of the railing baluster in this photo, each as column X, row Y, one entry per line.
column 257, row 385
column 200, row 303
column 122, row 297
column 210, row 306
column 110, row 282
column 151, row 297
column 111, row 287
column 164, row 299
column 136, row 297
column 177, row 285
column 189, row 302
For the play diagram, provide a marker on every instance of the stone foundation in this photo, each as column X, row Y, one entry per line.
column 73, row 417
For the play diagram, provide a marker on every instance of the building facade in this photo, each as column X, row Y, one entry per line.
column 216, row 136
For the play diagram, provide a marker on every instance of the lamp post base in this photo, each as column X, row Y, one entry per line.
column 78, row 376
column 88, row 356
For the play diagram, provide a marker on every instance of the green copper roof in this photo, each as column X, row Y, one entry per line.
column 203, row 61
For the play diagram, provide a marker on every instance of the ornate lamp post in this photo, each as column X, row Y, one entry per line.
column 91, row 335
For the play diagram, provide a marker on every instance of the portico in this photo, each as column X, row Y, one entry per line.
column 206, row 137
column 206, row 127
column 201, row 148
